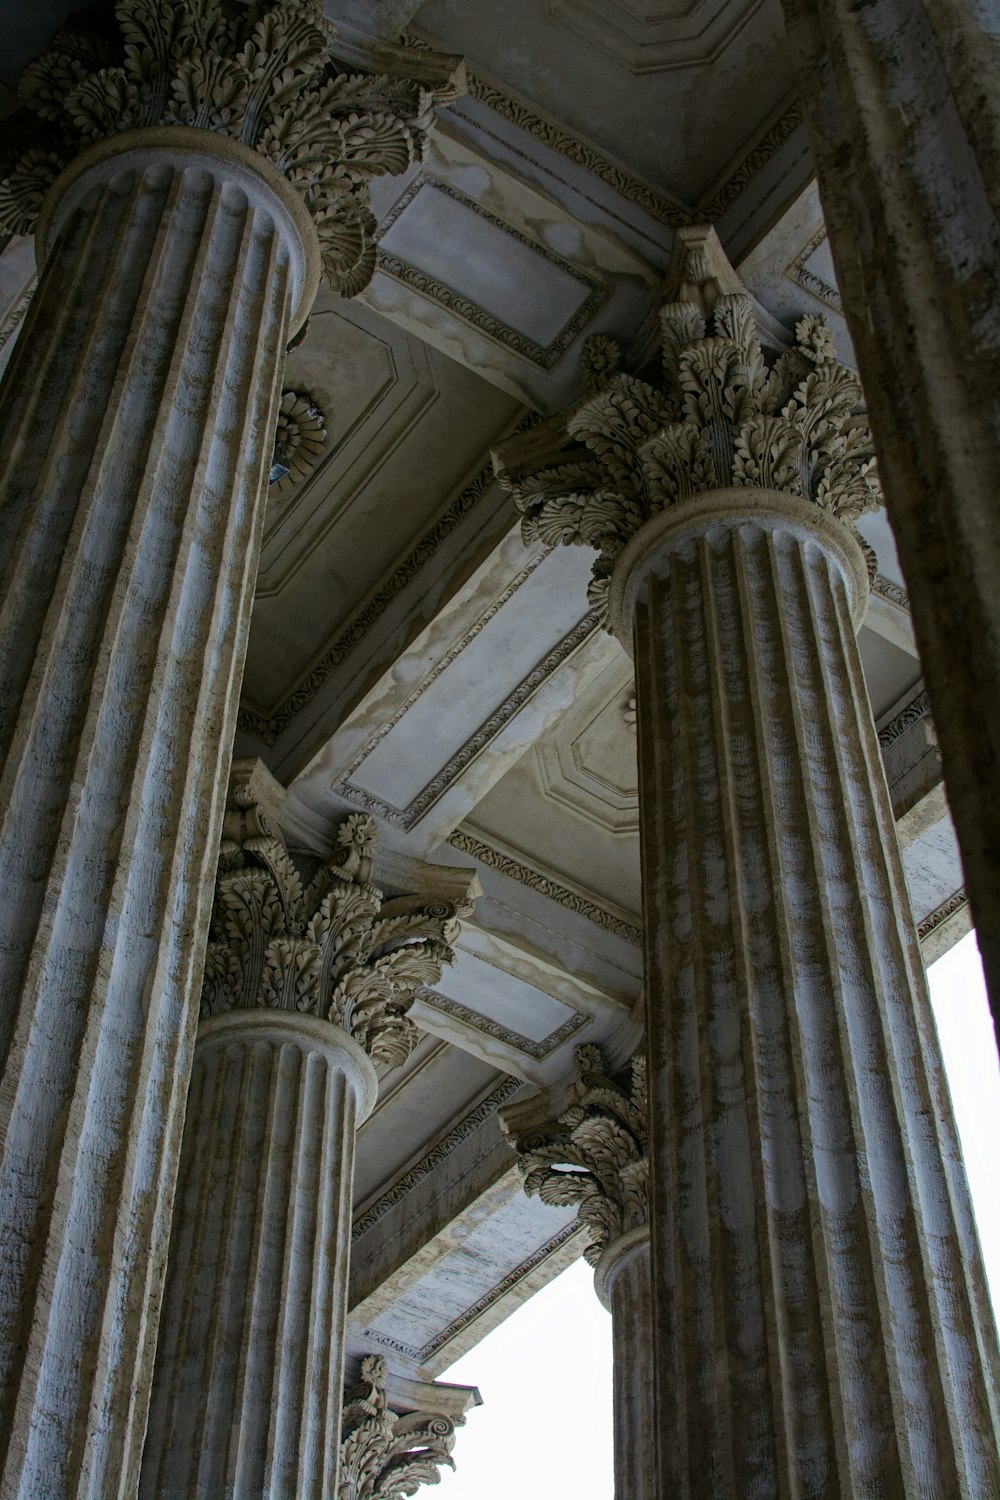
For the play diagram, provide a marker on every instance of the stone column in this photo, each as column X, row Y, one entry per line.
column 179, row 252
column 821, row 1320
column 305, row 989
column 903, row 106
column 585, row 1143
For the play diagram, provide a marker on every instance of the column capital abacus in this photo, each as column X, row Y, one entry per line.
column 337, row 948
column 383, row 1453
column 591, row 1151
column 721, row 419
column 261, row 76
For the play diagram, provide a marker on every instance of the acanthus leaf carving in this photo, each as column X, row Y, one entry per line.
column 592, row 1153
column 722, row 417
column 263, row 74
column 337, row 949
column 384, row 1455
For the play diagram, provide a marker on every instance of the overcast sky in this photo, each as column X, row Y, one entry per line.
column 544, row 1430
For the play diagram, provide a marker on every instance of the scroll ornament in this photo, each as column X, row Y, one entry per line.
column 337, row 948
column 263, row 74
column 721, row 416
column 594, row 1153
column 382, row 1455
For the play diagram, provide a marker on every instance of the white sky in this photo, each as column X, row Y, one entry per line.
column 544, row 1429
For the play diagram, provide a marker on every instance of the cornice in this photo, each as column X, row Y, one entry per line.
column 741, row 172
column 544, row 885
column 918, row 708
column 499, row 1033
column 267, row 727
column 955, row 903
column 501, row 716
column 433, row 1158
column 471, row 1314
column 894, row 593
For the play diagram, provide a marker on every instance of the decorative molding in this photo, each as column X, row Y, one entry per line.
column 544, row 356
column 630, row 714
column 16, row 313
column 675, row 38
column 589, row 1150
column 955, row 903
column 385, row 1455
column 504, row 1034
column 798, row 272
column 918, row 708
column 299, row 440
column 335, row 949
column 268, row 727
column 263, row 75
column 739, row 177
column 433, row 1158
column 544, row 885
column 580, row 152
column 451, row 655
column 894, row 593
column 719, row 416
column 470, row 1315
column 498, row 720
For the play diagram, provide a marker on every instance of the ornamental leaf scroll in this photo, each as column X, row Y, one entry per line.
column 337, row 948
column 263, row 74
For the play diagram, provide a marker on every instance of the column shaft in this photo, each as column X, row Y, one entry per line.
column 822, row 1325
column 624, row 1284
column 903, row 108
column 136, row 423
column 248, row 1387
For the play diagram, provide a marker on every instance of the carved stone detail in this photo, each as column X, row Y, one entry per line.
column 263, row 74
column 336, row 949
column 384, row 1455
column 592, row 1154
column 722, row 417
column 299, row 441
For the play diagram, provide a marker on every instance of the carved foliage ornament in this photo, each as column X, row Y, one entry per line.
column 336, row 948
column 299, row 441
column 594, row 1153
column 383, row 1455
column 261, row 73
column 722, row 416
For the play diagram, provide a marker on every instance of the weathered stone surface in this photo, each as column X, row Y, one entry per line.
column 247, row 1392
column 305, row 988
column 821, row 1317
column 903, row 106
column 136, row 423
column 624, row 1282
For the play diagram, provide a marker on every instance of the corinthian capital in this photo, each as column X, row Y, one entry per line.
column 263, row 74
column 382, row 1455
column 720, row 416
column 592, row 1153
column 336, row 948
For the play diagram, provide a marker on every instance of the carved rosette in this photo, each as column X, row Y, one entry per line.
column 593, row 1153
column 263, row 74
column 721, row 416
column 299, row 441
column 337, row 948
column 382, row 1455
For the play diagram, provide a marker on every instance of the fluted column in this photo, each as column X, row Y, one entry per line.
column 247, row 1396
column 304, row 989
column 623, row 1281
column 903, row 109
column 584, row 1142
column 136, row 427
column 821, row 1321
column 183, row 209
